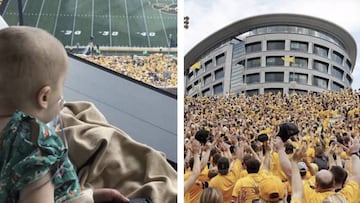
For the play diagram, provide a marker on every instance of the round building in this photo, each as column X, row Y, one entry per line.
column 271, row 53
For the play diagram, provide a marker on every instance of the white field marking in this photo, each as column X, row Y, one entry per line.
column 74, row 22
column 146, row 27
column 110, row 21
column 163, row 25
column 92, row 18
column 57, row 16
column 41, row 9
column 128, row 24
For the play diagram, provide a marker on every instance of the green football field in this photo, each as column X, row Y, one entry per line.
column 124, row 23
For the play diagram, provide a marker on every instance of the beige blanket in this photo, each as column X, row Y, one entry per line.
column 105, row 156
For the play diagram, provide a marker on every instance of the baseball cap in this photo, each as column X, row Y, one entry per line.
column 302, row 166
column 271, row 189
column 223, row 165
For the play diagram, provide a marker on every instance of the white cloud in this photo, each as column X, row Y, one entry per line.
column 206, row 16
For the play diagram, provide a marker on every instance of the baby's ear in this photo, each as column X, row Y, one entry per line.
column 43, row 97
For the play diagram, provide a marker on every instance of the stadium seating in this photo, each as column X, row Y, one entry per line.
column 157, row 69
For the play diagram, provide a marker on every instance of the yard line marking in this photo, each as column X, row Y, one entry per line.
column 92, row 18
column 146, row 27
column 57, row 16
column 163, row 25
column 74, row 21
column 128, row 24
column 110, row 35
column 41, row 9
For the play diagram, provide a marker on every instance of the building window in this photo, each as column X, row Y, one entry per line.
column 347, row 66
column 252, row 92
column 218, row 89
column 206, row 92
column 300, row 62
column 337, row 72
column 299, row 46
column 276, row 45
column 336, row 87
column 220, row 59
column 337, row 57
column 320, row 66
column 320, row 82
column 274, row 77
column 219, row 74
column 299, row 78
column 189, row 88
column 298, row 91
column 207, row 79
column 274, row 61
column 253, row 63
column 208, row 65
column 348, row 80
column 253, row 47
column 191, row 75
column 273, row 90
column 252, row 78
column 320, row 50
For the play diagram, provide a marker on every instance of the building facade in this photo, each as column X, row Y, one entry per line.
column 272, row 53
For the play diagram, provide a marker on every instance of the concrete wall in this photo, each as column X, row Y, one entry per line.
column 147, row 114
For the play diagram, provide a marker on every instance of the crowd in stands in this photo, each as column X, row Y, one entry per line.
column 235, row 144
column 159, row 70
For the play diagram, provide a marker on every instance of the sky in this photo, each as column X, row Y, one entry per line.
column 208, row 16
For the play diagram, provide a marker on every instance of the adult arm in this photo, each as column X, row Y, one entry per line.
column 284, row 160
column 41, row 190
column 196, row 167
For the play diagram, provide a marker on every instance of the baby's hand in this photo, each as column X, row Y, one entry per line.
column 108, row 195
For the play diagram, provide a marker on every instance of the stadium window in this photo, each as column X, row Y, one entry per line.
column 220, row 59
column 219, row 74
column 189, row 88
column 336, row 87
column 320, row 66
column 191, row 75
column 252, row 92
column 300, row 62
column 337, row 72
column 273, row 90
column 253, row 62
column 299, row 78
column 218, row 89
column 298, row 91
column 299, row 46
column 208, row 65
column 337, row 57
column 207, row 79
column 321, row 50
column 347, row 65
column 206, row 92
column 274, row 61
column 253, row 47
column 348, row 80
column 276, row 45
column 274, row 77
column 320, row 82
column 252, row 78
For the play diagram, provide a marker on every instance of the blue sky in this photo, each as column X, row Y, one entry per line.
column 208, row 16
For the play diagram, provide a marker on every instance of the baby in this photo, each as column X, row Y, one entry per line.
column 34, row 166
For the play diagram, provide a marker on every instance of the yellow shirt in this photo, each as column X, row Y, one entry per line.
column 195, row 190
column 350, row 192
column 225, row 183
column 249, row 184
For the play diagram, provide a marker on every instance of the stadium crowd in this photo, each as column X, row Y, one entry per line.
column 159, row 70
column 235, row 144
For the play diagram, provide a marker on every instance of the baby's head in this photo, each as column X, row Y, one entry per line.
column 33, row 66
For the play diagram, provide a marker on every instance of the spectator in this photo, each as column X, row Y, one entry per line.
column 211, row 195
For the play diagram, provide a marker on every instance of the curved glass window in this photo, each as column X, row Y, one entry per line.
column 253, row 63
column 300, row 62
column 273, row 90
column 274, row 61
column 253, row 47
column 321, row 50
column 299, row 78
column 295, row 30
column 252, row 78
column 348, row 80
column 207, row 79
column 274, row 77
column 320, row 82
column 276, row 45
column 206, row 92
column 337, row 72
column 208, row 65
column 347, row 65
column 299, row 46
column 320, row 66
column 337, row 57
column 298, row 91
column 336, row 87
column 220, row 59
column 252, row 92
column 218, row 89
column 219, row 74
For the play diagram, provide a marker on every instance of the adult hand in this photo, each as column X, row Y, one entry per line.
column 354, row 145
column 108, row 195
column 278, row 143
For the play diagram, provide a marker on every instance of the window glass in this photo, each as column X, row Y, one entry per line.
column 253, row 63
column 275, row 45
column 337, row 57
column 300, row 62
column 299, row 78
column 253, row 78
column 218, row 89
column 320, row 66
column 299, row 46
column 253, row 47
column 207, row 79
column 208, row 64
column 220, row 59
column 337, row 72
column 274, row 77
column 336, row 87
column 219, row 74
column 273, row 90
column 320, row 82
column 320, row 50
column 274, row 61
column 252, row 92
